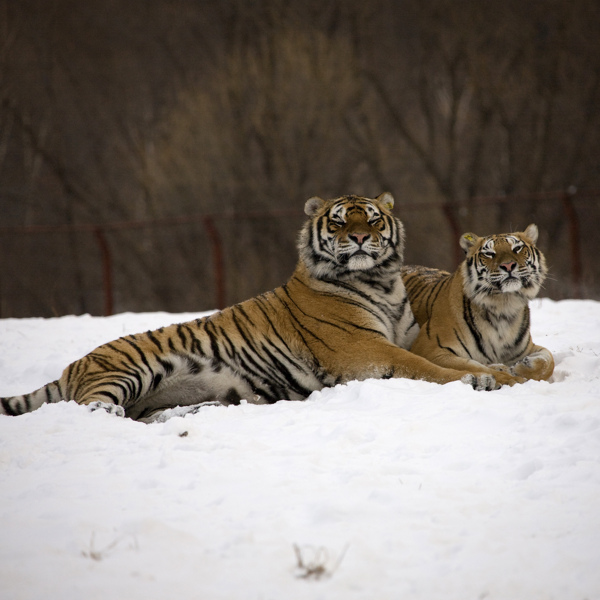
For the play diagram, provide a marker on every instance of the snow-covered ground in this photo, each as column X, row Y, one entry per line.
column 386, row 489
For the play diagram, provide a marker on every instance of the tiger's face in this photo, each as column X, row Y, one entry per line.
column 350, row 234
column 508, row 263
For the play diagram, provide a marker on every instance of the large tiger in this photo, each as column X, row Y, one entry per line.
column 343, row 315
column 477, row 318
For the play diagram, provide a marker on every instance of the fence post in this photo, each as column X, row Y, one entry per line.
column 218, row 264
column 574, row 242
column 107, row 273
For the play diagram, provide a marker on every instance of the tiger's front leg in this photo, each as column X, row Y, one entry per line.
column 438, row 353
column 383, row 360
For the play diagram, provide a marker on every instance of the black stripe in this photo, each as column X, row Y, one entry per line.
column 71, row 368
column 59, row 389
column 142, row 355
column 126, row 390
column 462, row 343
column 280, row 369
column 8, row 409
column 292, row 382
column 195, row 343
column 325, row 321
column 154, row 340
column 321, row 224
column 350, row 288
column 212, row 336
column 167, row 365
column 228, row 347
column 48, row 394
column 445, row 347
column 350, row 302
column 109, row 367
column 293, row 316
column 426, row 279
column 125, row 355
column 435, row 292
column 259, row 304
column 238, row 324
column 124, row 384
column 286, row 355
column 110, row 395
column 156, row 380
column 285, row 307
column 468, row 318
column 371, row 306
column 401, row 310
column 417, row 289
column 181, row 328
column 523, row 330
column 255, row 366
column 194, row 366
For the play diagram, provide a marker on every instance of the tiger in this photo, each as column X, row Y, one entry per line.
column 343, row 315
column 477, row 318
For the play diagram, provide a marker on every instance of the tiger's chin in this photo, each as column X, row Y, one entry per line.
column 361, row 262
column 511, row 285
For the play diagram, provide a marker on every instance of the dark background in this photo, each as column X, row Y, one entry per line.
column 124, row 125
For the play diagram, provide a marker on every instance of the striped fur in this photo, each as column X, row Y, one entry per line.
column 477, row 318
column 343, row 315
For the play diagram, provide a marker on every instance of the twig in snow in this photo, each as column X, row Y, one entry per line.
column 100, row 554
column 316, row 567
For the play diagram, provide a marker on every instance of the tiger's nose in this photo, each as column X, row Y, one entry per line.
column 359, row 238
column 508, row 266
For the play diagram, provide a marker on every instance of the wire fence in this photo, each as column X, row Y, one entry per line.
column 576, row 213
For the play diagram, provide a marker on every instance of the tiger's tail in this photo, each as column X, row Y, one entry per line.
column 18, row 405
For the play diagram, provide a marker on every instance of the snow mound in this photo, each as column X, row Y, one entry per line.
column 378, row 489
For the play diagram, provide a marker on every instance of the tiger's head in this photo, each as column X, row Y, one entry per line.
column 350, row 235
column 506, row 265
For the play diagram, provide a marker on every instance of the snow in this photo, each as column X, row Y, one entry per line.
column 388, row 489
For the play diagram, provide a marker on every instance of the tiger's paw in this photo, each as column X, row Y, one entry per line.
column 538, row 365
column 111, row 409
column 482, row 382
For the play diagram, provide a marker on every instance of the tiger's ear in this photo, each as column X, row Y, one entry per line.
column 313, row 205
column 386, row 200
column 468, row 240
column 531, row 233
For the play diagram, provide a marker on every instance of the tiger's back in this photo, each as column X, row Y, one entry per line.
column 423, row 285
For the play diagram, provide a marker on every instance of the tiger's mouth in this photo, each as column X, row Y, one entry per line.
column 349, row 253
